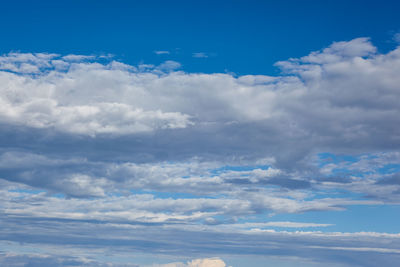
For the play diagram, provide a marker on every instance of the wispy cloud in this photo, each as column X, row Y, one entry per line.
column 200, row 55
column 396, row 37
column 162, row 52
column 77, row 57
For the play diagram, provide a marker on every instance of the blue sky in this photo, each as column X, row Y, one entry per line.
column 199, row 133
column 240, row 37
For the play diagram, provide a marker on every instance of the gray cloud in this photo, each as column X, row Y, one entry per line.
column 342, row 98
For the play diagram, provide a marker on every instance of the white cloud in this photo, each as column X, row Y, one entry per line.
column 41, row 109
column 396, row 37
column 347, row 88
column 200, row 55
column 77, row 57
column 162, row 52
column 169, row 65
column 147, row 208
column 285, row 224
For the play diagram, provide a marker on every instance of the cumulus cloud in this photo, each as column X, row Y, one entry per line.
column 40, row 108
column 338, row 96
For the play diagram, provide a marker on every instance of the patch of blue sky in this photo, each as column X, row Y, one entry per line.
column 389, row 169
column 228, row 168
column 59, row 195
column 218, row 219
column 279, row 218
column 131, row 29
column 345, row 168
column 114, row 194
column 173, row 195
column 354, row 218
column 327, row 158
column 22, row 248
column 293, row 229
column 336, row 193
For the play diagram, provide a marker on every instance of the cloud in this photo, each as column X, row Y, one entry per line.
column 40, row 108
column 25, row 63
column 147, row 208
column 96, row 153
column 396, row 37
column 122, row 240
column 206, row 263
column 351, row 86
column 162, row 52
column 169, row 65
column 286, row 224
column 44, row 260
column 78, row 177
column 340, row 99
column 77, row 58
column 200, row 55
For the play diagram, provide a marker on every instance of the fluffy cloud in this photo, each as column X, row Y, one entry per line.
column 41, row 110
column 345, row 94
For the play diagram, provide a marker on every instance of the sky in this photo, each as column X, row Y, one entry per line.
column 200, row 133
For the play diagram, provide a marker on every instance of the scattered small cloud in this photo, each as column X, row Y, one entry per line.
column 169, row 65
column 396, row 37
column 162, row 52
column 77, row 57
column 200, row 55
